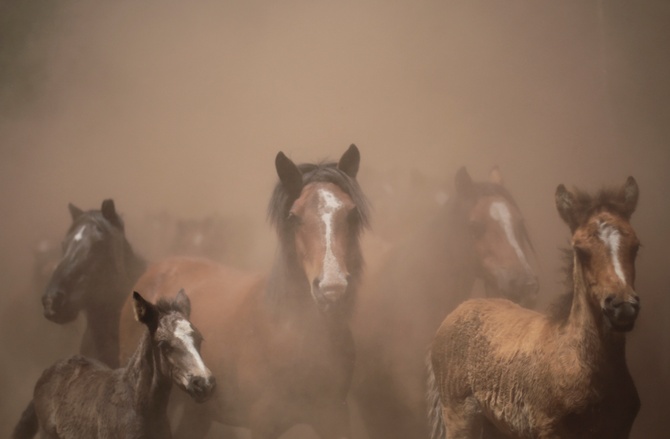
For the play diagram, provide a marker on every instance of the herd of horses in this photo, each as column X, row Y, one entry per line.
column 405, row 345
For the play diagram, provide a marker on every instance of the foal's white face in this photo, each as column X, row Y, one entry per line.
column 179, row 343
column 607, row 247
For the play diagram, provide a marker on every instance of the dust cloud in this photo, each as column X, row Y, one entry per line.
column 180, row 107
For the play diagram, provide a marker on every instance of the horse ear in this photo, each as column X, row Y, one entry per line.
column 289, row 175
column 631, row 193
column 75, row 212
column 183, row 303
column 495, row 176
column 109, row 213
column 463, row 182
column 145, row 312
column 565, row 204
column 350, row 161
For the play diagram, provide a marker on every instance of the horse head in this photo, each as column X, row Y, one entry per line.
column 498, row 236
column 93, row 247
column 322, row 214
column 177, row 344
column 605, row 248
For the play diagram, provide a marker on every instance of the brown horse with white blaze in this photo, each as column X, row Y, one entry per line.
column 561, row 375
column 280, row 345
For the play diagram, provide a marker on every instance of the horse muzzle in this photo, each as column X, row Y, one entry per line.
column 621, row 313
column 57, row 308
column 201, row 388
column 328, row 294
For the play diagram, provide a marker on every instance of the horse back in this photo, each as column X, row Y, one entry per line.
column 211, row 286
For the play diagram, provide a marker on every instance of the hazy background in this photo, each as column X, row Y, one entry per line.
column 180, row 107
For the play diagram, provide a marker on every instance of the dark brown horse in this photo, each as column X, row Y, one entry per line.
column 95, row 275
column 479, row 233
column 561, row 375
column 280, row 346
column 83, row 398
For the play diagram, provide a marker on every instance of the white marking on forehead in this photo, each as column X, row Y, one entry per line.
column 611, row 237
column 184, row 332
column 500, row 212
column 327, row 207
column 80, row 233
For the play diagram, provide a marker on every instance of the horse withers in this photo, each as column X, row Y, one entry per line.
column 280, row 345
column 560, row 375
column 82, row 398
column 478, row 234
column 95, row 275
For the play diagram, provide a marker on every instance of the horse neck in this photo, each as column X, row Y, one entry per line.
column 103, row 309
column 598, row 345
column 449, row 265
column 149, row 387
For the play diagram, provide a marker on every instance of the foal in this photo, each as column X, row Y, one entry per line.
column 550, row 376
column 82, row 398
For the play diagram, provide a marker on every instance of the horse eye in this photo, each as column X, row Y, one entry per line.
column 293, row 219
column 634, row 249
column 581, row 250
column 354, row 216
column 164, row 345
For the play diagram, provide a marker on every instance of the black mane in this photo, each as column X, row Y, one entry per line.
column 280, row 201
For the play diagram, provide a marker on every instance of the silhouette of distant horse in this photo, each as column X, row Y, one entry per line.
column 280, row 345
column 95, row 274
column 83, row 398
column 561, row 375
column 479, row 233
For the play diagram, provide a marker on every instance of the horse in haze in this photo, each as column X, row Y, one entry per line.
column 562, row 375
column 95, row 275
column 479, row 233
column 280, row 345
column 82, row 398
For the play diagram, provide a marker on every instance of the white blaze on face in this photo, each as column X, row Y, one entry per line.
column 328, row 205
column 73, row 245
column 184, row 332
column 610, row 236
column 500, row 212
column 80, row 233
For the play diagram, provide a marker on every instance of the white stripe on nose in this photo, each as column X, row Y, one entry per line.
column 500, row 212
column 80, row 233
column 184, row 332
column 328, row 206
column 610, row 236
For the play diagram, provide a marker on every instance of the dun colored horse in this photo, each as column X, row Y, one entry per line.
column 479, row 233
column 95, row 275
column 562, row 375
column 82, row 398
column 280, row 346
